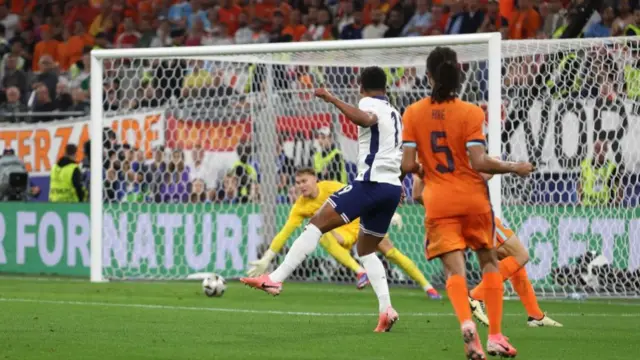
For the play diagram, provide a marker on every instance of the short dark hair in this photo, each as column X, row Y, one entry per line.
column 305, row 171
column 373, row 78
column 71, row 150
column 442, row 65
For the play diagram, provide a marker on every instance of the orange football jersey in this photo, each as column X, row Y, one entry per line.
column 442, row 132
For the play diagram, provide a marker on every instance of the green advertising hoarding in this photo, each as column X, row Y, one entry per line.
column 175, row 240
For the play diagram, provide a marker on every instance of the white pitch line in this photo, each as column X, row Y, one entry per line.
column 274, row 312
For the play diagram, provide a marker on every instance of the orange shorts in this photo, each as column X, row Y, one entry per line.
column 503, row 233
column 457, row 233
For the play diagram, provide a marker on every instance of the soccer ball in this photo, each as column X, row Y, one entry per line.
column 214, row 285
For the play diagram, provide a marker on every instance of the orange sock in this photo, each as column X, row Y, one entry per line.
column 457, row 292
column 522, row 286
column 493, row 291
column 508, row 266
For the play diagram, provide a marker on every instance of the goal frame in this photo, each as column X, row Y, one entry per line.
column 494, row 63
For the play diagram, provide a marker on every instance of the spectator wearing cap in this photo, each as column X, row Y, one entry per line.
column 354, row 30
column 377, row 27
column 328, row 162
column 11, row 106
column 48, row 46
column 66, row 179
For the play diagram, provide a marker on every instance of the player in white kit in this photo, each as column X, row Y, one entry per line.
column 373, row 196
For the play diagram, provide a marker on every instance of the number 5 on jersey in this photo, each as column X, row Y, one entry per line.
column 442, row 149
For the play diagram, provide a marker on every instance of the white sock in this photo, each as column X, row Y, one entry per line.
column 303, row 246
column 378, row 278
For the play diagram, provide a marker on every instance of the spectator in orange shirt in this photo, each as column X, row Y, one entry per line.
column 524, row 22
column 47, row 46
column 75, row 45
column 295, row 28
column 228, row 14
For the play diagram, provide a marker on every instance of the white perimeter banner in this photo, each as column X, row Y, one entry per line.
column 564, row 135
column 41, row 145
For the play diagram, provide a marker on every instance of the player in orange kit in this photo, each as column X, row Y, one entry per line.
column 447, row 135
column 513, row 257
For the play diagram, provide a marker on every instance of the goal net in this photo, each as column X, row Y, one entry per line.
column 200, row 146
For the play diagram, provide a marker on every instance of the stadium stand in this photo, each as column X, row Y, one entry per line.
column 45, row 72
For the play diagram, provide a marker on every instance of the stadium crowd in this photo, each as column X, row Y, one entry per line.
column 45, row 65
column 44, row 45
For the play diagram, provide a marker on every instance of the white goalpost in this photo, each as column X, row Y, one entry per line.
column 193, row 150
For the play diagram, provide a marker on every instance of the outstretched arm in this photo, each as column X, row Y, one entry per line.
column 483, row 163
column 355, row 115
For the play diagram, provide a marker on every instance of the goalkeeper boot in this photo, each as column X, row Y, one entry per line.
column 498, row 345
column 386, row 320
column 263, row 283
column 472, row 345
column 363, row 280
column 433, row 294
column 478, row 311
column 544, row 322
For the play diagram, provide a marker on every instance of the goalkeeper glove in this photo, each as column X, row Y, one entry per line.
column 259, row 267
column 396, row 220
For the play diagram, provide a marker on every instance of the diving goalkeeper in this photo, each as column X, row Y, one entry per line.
column 339, row 242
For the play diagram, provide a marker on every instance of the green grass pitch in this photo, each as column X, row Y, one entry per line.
column 65, row 319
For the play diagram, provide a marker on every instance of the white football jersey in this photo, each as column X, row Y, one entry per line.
column 380, row 146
